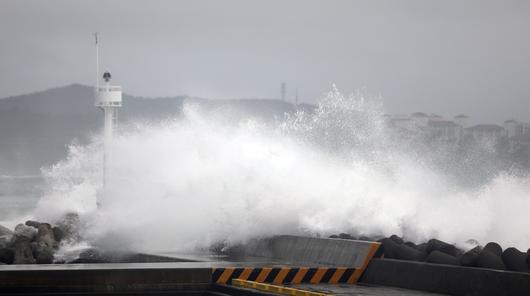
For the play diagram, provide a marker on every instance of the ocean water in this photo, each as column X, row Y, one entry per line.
column 19, row 196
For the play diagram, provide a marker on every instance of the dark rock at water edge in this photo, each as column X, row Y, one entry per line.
column 438, row 245
column 439, row 257
column 23, row 251
column 58, row 233
column 4, row 231
column 92, row 255
column 389, row 248
column 405, row 252
column 487, row 259
column 24, row 232
column 45, row 236
column 6, row 235
column 422, row 247
column 346, row 236
column 469, row 258
column 31, row 223
column 411, row 244
column 7, row 255
column 44, row 256
column 398, row 240
column 514, row 259
column 34, row 242
column 494, row 248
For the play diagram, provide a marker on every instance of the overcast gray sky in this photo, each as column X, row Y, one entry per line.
column 447, row 57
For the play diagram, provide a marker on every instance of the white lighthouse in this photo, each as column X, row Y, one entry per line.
column 107, row 98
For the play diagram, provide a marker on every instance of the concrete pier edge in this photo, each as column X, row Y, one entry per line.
column 445, row 279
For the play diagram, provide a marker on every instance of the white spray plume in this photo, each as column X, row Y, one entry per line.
column 194, row 181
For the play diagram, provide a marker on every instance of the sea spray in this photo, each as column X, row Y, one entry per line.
column 199, row 179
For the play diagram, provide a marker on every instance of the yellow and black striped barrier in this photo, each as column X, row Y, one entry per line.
column 275, row 289
column 296, row 275
column 287, row 275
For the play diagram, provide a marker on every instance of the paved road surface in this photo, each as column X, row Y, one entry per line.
column 362, row 290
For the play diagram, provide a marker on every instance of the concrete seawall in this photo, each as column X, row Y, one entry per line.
column 445, row 279
column 310, row 251
column 183, row 278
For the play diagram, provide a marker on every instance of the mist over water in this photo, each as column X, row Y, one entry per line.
column 203, row 178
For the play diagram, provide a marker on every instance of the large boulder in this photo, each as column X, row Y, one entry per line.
column 422, row 247
column 398, row 240
column 487, row 259
column 7, row 255
column 44, row 245
column 405, row 252
column 514, row 259
column 469, row 258
column 494, row 248
column 23, row 253
column 389, row 248
column 21, row 244
column 32, row 223
column 5, row 231
column 411, row 244
column 44, row 256
column 58, row 233
column 439, row 257
column 45, row 235
column 6, row 235
column 24, row 232
column 438, row 245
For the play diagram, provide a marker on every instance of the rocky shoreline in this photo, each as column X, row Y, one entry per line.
column 36, row 243
column 491, row 255
column 31, row 243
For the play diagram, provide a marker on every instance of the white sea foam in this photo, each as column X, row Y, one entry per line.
column 195, row 180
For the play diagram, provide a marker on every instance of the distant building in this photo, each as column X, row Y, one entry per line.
column 444, row 130
column 403, row 123
column 435, row 117
column 432, row 126
column 419, row 118
column 462, row 120
column 400, row 122
column 516, row 128
column 485, row 132
column 518, row 134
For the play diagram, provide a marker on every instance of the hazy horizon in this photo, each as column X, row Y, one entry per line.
column 450, row 117
column 453, row 57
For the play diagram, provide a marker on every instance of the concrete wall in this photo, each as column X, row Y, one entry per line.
column 105, row 278
column 445, row 279
column 309, row 251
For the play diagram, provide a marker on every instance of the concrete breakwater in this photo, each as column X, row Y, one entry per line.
column 440, row 267
column 280, row 260
column 492, row 255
